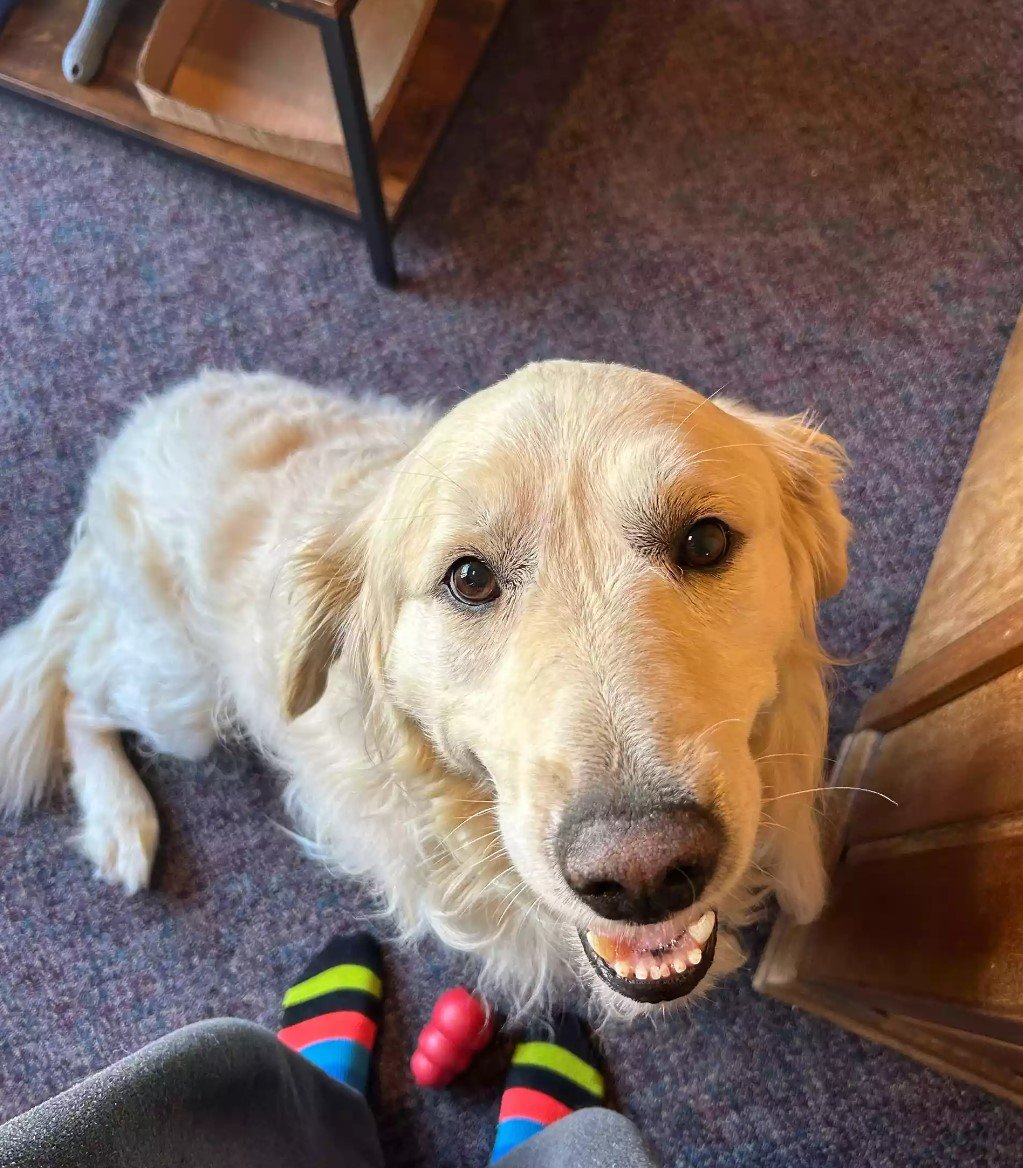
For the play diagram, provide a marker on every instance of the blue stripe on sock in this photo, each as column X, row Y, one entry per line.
column 342, row 1059
column 511, row 1133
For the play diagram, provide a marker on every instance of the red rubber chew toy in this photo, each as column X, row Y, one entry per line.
column 459, row 1027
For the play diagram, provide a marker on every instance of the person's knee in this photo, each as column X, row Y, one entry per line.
column 612, row 1134
column 215, row 1052
column 217, row 1033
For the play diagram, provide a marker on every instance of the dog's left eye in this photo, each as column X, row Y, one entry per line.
column 471, row 581
column 705, row 544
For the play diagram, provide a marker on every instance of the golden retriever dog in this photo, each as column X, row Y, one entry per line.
column 543, row 669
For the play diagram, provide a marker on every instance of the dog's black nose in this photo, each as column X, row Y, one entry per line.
column 640, row 863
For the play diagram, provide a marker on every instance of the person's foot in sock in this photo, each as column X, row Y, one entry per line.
column 551, row 1075
column 331, row 1014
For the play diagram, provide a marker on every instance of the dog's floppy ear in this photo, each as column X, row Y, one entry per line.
column 792, row 737
column 789, row 744
column 810, row 465
column 321, row 581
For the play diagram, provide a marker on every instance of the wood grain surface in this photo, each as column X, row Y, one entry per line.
column 977, row 571
column 962, row 761
column 942, row 927
column 452, row 46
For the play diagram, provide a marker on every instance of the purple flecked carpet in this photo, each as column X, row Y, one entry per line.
column 813, row 204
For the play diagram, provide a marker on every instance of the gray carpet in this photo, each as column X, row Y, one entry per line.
column 813, row 204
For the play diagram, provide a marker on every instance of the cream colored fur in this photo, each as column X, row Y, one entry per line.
column 255, row 553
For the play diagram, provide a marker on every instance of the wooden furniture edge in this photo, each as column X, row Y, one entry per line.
column 1008, row 380
column 933, row 1049
column 978, row 656
column 997, row 1025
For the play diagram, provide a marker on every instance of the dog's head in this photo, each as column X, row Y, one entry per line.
column 585, row 609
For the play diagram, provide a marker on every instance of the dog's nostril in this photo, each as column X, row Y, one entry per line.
column 684, row 883
column 600, row 889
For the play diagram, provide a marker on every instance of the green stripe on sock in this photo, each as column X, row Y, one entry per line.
column 562, row 1062
column 340, row 977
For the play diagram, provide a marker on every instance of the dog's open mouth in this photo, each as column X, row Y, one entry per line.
column 647, row 967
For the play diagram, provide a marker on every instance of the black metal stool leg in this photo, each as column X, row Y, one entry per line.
column 343, row 63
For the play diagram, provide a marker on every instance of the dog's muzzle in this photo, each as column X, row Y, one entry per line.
column 639, row 864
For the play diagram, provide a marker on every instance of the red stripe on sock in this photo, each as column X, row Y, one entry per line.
column 525, row 1103
column 340, row 1024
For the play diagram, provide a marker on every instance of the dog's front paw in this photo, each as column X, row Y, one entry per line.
column 122, row 845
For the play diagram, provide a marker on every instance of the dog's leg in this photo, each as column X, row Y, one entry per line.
column 119, row 828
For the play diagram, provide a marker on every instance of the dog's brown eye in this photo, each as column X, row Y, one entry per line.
column 472, row 582
column 704, row 544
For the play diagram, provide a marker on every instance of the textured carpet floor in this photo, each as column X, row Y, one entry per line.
column 815, row 204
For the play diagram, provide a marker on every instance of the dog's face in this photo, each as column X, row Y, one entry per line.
column 591, row 591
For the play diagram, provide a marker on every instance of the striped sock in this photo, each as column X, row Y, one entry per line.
column 550, row 1077
column 331, row 1014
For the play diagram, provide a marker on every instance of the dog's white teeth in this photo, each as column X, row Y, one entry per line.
column 596, row 942
column 701, row 931
column 648, row 957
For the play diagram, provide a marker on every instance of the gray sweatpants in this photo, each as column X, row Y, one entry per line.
column 227, row 1094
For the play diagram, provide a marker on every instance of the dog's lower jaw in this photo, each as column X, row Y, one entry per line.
column 607, row 1006
column 654, row 965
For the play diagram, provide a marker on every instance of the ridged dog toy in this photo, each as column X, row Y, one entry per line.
column 460, row 1026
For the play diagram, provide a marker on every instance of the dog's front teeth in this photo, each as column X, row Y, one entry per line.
column 663, row 960
column 703, row 928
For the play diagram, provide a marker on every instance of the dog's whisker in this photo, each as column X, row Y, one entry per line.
column 464, row 822
column 490, row 855
column 510, row 904
column 793, row 754
column 767, row 821
column 839, row 787
column 699, row 406
column 707, row 731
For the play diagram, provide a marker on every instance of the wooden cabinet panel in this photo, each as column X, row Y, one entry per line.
column 1006, row 1054
column 942, row 926
column 978, row 568
column 962, row 761
column 921, row 943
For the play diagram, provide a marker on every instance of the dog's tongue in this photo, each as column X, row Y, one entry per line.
column 644, row 956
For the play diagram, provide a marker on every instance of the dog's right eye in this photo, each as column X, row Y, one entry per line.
column 471, row 581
